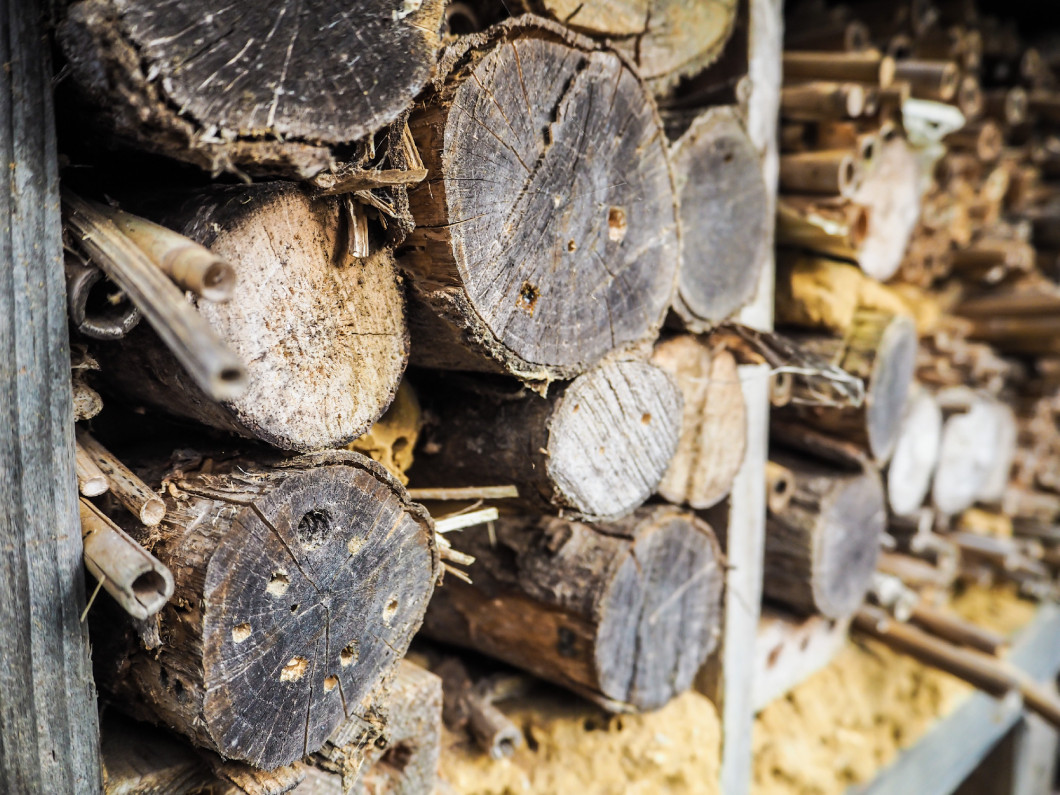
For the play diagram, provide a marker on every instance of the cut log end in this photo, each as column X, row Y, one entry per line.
column 916, row 451
column 888, row 385
column 724, row 218
column 286, row 617
column 612, row 437
column 668, row 587
column 547, row 230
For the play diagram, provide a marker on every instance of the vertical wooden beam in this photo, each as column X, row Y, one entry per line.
column 49, row 734
column 748, row 501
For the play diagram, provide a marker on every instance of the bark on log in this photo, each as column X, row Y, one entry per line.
column 821, row 551
column 321, row 332
column 879, row 348
column 49, row 731
column 595, row 448
column 666, row 39
column 916, row 452
column 713, row 438
column 624, row 613
column 547, row 226
column 724, row 218
column 298, row 587
column 262, row 92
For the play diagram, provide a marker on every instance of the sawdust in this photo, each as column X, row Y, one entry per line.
column 850, row 719
column 572, row 747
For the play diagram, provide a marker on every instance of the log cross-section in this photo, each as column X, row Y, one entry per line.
column 298, row 589
column 546, row 228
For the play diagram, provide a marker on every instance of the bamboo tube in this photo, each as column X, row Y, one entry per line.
column 131, row 492
column 826, row 172
column 984, row 138
column 91, row 481
column 979, row 670
column 862, row 67
column 833, row 228
column 969, row 97
column 780, row 485
column 822, row 100
column 136, row 579
column 937, row 80
column 191, row 266
column 209, row 362
column 97, row 307
column 839, row 36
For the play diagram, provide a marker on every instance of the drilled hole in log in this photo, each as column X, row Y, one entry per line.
column 278, row 584
column 240, row 632
column 348, row 656
column 397, row 757
column 528, row 295
column 294, row 670
column 645, row 418
column 231, row 375
column 330, row 683
column 461, row 19
column 106, row 302
column 149, row 584
column 390, row 610
column 572, row 246
column 314, row 528
column 616, row 224
column 294, row 608
column 179, row 691
column 774, row 655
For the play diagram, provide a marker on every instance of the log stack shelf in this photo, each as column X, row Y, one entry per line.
column 654, row 490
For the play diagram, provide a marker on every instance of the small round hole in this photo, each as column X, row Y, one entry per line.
column 240, row 632
column 278, row 584
column 616, row 224
column 294, row 608
column 348, row 656
column 330, row 683
column 294, row 670
column 645, row 418
column 149, row 584
column 314, row 528
column 390, row 610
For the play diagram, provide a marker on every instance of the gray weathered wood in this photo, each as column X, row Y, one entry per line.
column 724, row 217
column 594, row 448
column 713, row 436
column 547, row 226
column 298, row 587
column 49, row 732
column 262, row 92
column 624, row 613
column 322, row 333
column 821, row 551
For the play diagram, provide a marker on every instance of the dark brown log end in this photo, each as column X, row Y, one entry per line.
column 725, row 218
column 221, row 87
column 298, row 591
column 546, row 229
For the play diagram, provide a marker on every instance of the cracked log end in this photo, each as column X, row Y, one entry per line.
column 322, row 333
column 725, row 219
column 298, row 591
column 263, row 91
column 822, row 549
column 624, row 612
column 546, row 228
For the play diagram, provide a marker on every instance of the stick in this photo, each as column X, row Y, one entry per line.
column 937, row 80
column 203, row 354
column 466, row 493
column 134, row 577
column 977, row 669
column 91, row 481
column 828, row 172
column 956, row 630
column 131, row 492
column 460, row 521
column 190, row 265
column 862, row 67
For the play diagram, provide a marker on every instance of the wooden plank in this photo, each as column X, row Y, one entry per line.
column 949, row 752
column 49, row 735
column 747, row 514
column 790, row 649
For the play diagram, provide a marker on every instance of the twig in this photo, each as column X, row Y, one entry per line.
column 468, row 493
column 131, row 492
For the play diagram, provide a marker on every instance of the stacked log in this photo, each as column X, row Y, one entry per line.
column 545, row 224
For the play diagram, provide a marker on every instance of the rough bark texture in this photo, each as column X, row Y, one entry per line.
column 261, row 89
column 624, row 613
column 821, row 551
column 298, row 589
column 713, row 437
column 547, row 226
column 879, row 348
column 403, row 760
column 595, row 448
column 49, row 733
column 321, row 332
column 667, row 39
column 724, row 218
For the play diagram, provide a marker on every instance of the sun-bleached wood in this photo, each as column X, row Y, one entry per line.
column 546, row 231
